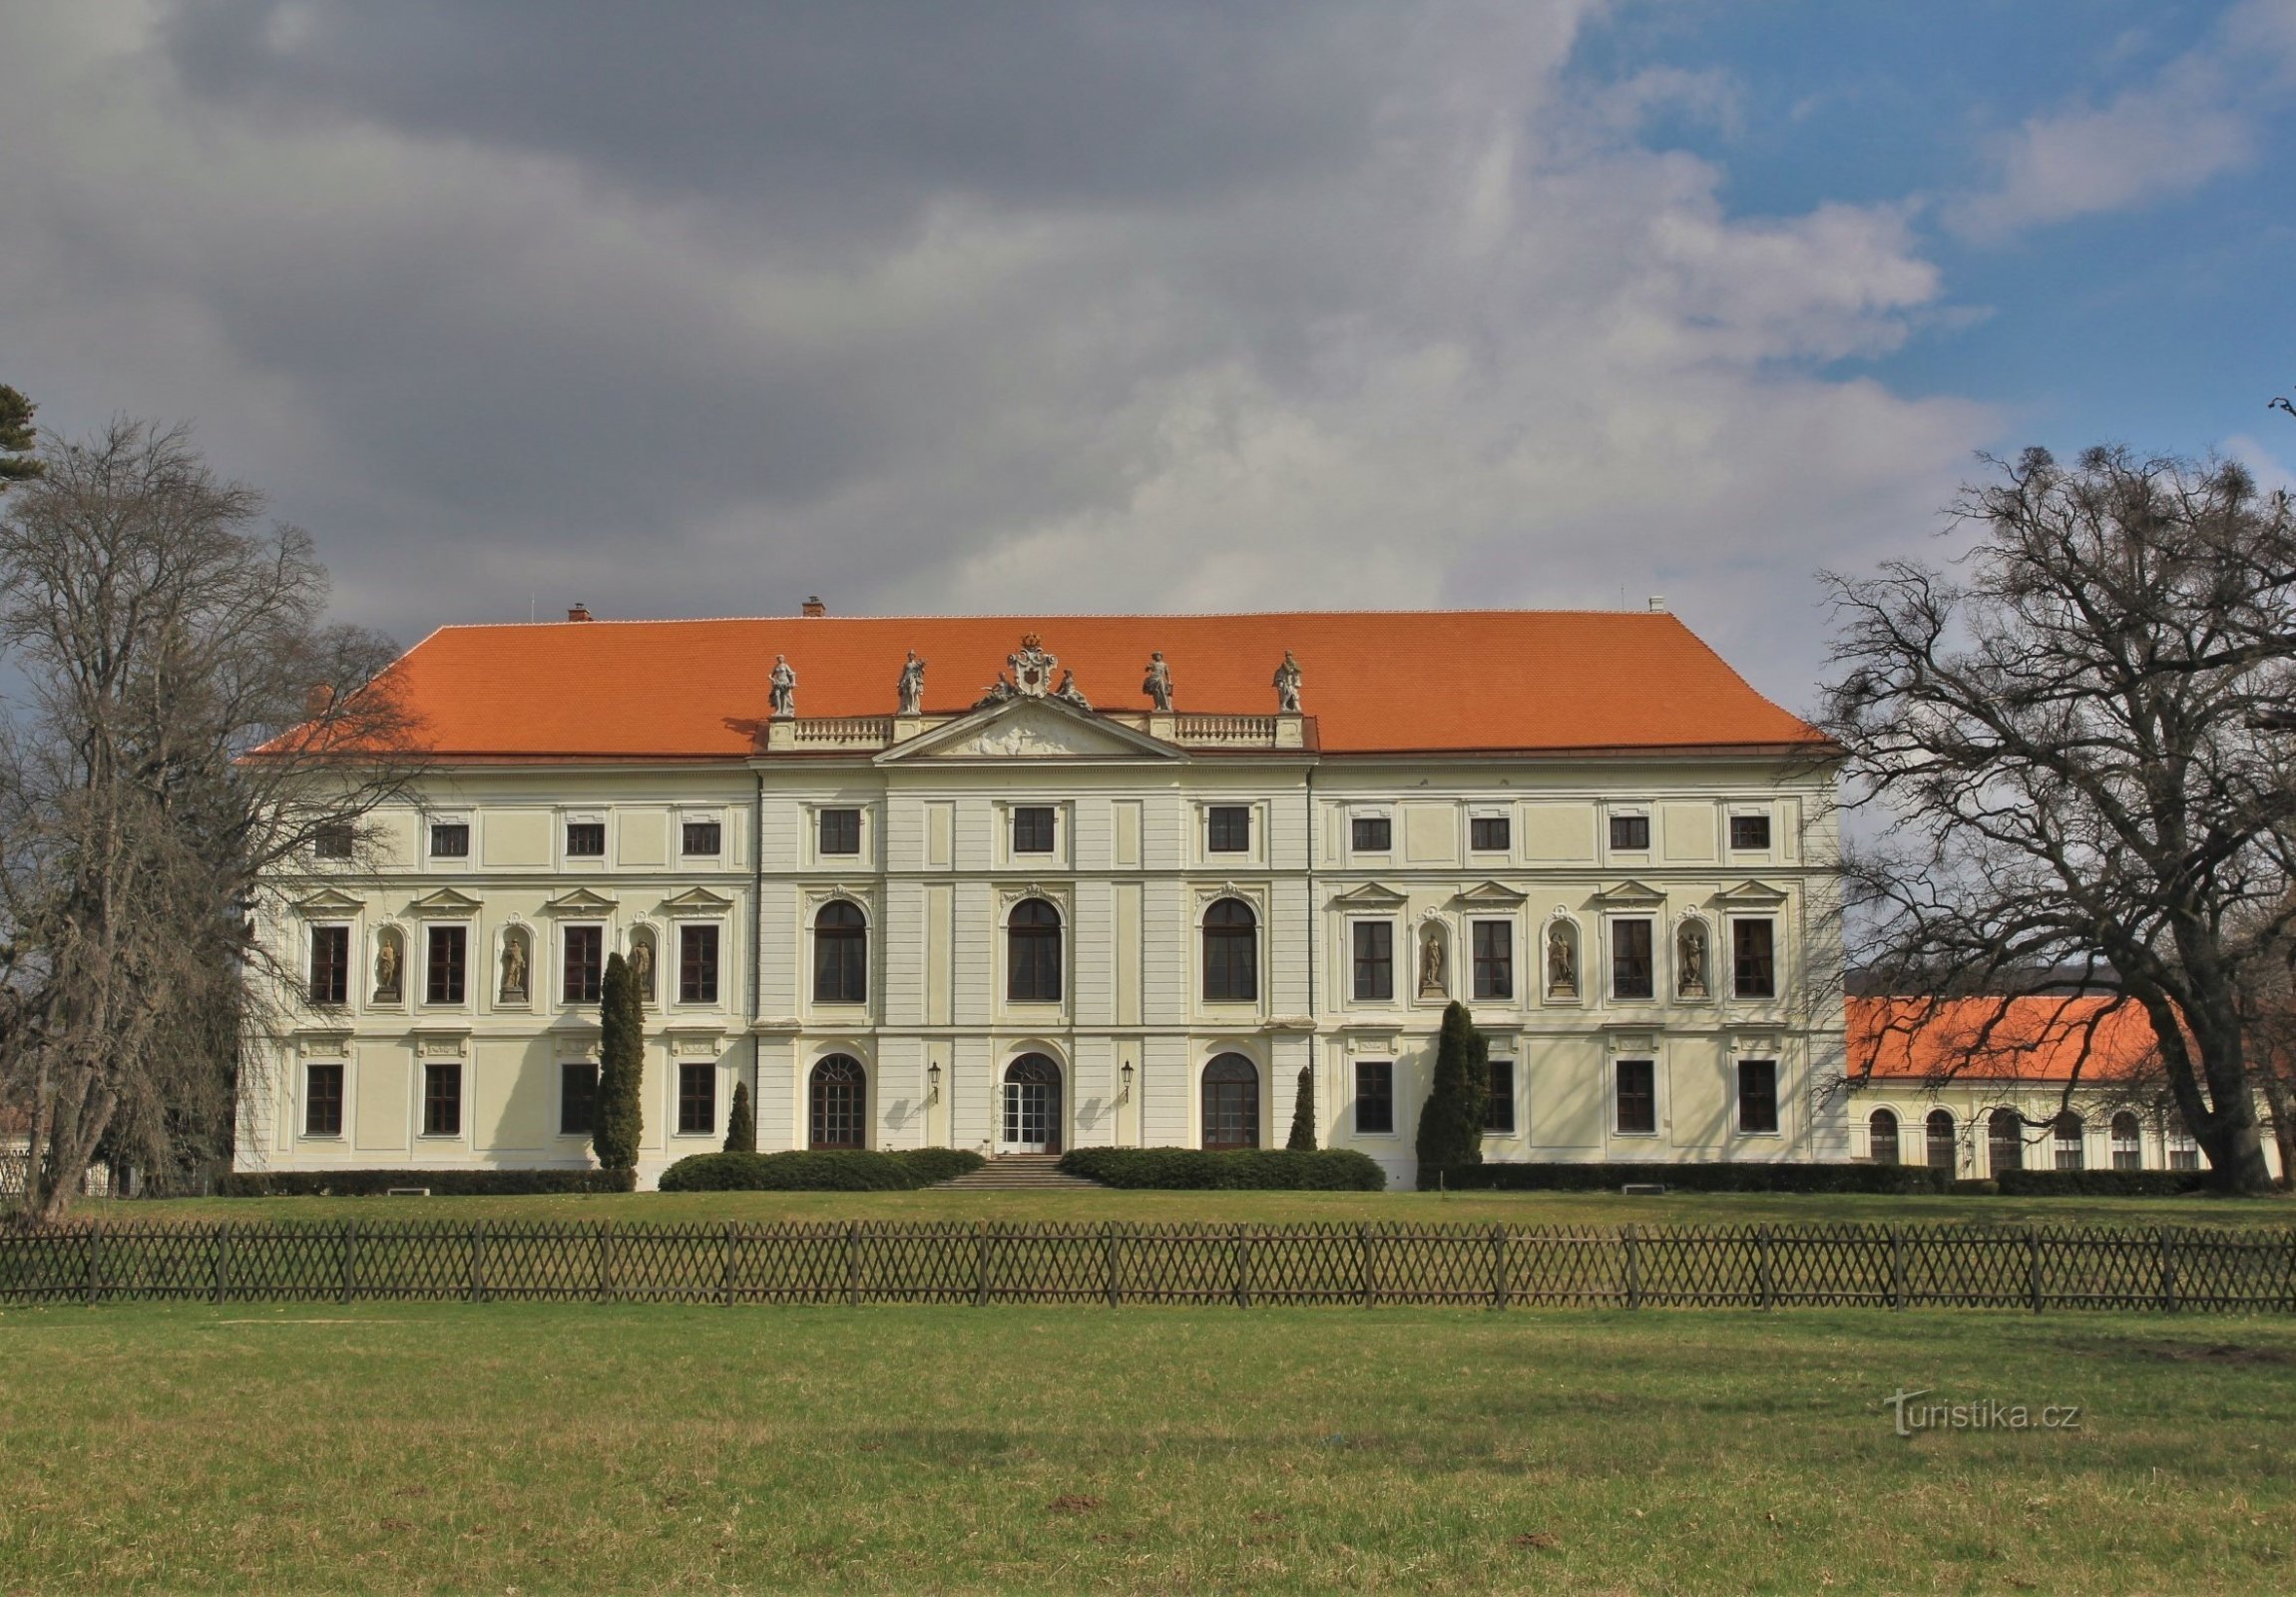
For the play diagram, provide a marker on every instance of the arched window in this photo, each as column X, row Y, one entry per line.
column 1230, row 952
column 2127, row 1142
column 2004, row 1140
column 1940, row 1135
column 1231, row 1103
column 840, row 954
column 2068, row 1134
column 1033, row 952
column 840, row 1103
column 1882, row 1137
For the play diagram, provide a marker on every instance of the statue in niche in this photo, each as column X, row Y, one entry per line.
column 785, row 687
column 1562, row 961
column 390, row 959
column 1287, row 685
column 1070, row 694
column 1434, row 980
column 1159, row 683
column 1690, row 959
column 642, row 963
column 913, row 686
column 515, row 963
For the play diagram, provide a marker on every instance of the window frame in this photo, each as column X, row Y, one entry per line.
column 2062, row 1147
column 1617, row 926
column 1219, row 821
column 688, row 931
column 1646, row 1067
column 588, row 1098
column 1994, row 1142
column 1897, row 1137
column 834, row 826
column 1384, row 1098
column 340, row 1071
column 1499, row 1118
column 1492, row 977
column 842, row 939
column 1740, row 925
column 1229, row 937
column 593, row 986
column 1051, row 815
column 1769, row 1099
column 1358, row 821
column 690, row 1071
column 1475, row 832
column 432, row 930
column 437, row 825
column 1039, row 937
column 334, row 841
column 1751, row 818
column 2133, row 1145
column 1952, row 1143
column 339, row 993
column 566, row 832
column 688, row 825
column 1358, row 963
column 433, row 1072
column 1632, row 818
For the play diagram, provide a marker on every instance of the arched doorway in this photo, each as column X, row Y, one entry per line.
column 2005, row 1141
column 1940, row 1135
column 838, row 1104
column 1031, row 1120
column 1231, row 1103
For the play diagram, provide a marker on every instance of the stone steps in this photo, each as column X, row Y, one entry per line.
column 1020, row 1173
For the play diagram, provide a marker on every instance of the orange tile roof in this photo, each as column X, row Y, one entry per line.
column 1998, row 1039
column 1383, row 682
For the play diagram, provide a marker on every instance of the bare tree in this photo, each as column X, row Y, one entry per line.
column 2081, row 739
column 169, row 767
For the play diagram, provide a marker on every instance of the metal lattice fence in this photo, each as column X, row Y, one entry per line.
column 1498, row 1267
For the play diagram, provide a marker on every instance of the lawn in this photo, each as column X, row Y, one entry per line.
column 1087, row 1203
column 534, row 1448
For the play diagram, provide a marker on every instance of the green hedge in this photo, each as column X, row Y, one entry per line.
column 2100, row 1183
column 855, row 1170
column 932, row 1166
column 1897, row 1179
column 1257, row 1169
column 442, row 1182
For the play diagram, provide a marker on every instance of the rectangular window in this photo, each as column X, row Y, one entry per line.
column 1032, row 829
column 1754, row 964
column 1374, row 1097
column 1372, row 835
column 332, row 841
column 1630, row 833
column 577, row 1098
column 1631, row 960
column 324, row 1101
column 703, row 840
column 1637, row 1097
column 449, row 950
column 330, row 964
column 450, row 840
column 584, row 965
column 1749, row 831
column 1758, row 1095
column 442, row 1100
column 840, row 831
column 1499, row 1115
column 1374, row 960
column 585, row 839
column 1493, row 959
column 1488, row 835
column 697, row 1100
column 1230, row 829
column 696, row 964
column 2183, row 1152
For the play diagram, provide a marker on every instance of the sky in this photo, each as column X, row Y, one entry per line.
column 698, row 309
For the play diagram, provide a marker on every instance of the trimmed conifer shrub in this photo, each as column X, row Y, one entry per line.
column 1302, row 1137
column 837, row 1170
column 620, row 1121
column 935, row 1165
column 740, row 1123
column 1450, row 1124
column 1237, row 1170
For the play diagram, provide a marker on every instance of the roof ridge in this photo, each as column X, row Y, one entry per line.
column 1079, row 615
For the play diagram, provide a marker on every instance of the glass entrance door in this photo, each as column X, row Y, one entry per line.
column 1032, row 1118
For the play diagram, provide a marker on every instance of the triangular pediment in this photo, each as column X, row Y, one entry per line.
column 1629, row 891
column 1031, row 729
column 698, row 897
column 330, row 901
column 1371, row 895
column 1490, row 896
column 580, row 901
column 1752, row 892
column 447, row 900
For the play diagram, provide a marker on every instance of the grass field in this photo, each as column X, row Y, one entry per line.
column 528, row 1448
column 1526, row 1209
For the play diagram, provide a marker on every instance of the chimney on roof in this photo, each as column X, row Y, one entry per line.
column 813, row 606
column 318, row 699
column 578, row 612
column 1657, row 604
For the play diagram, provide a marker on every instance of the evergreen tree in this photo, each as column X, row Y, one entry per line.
column 1303, row 1113
column 17, row 463
column 740, row 1123
column 1451, row 1125
column 621, row 1067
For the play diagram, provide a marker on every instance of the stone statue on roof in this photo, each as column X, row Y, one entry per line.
column 1069, row 693
column 785, row 687
column 1159, row 683
column 913, row 686
column 1287, row 685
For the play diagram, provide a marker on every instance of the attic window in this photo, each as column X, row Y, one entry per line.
column 585, row 839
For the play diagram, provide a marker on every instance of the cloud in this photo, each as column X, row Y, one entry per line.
column 931, row 307
column 2195, row 120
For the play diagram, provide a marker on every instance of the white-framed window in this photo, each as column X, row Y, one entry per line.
column 1371, row 948
column 1375, row 1097
column 1634, row 1096
column 447, row 837
column 577, row 1097
column 1371, row 832
column 701, row 953
column 1750, row 831
column 1628, row 827
column 1490, row 831
column 323, row 1098
column 445, row 974
column 1757, row 1098
column 1632, row 957
column 700, row 835
column 1228, row 830
column 1500, row 1117
column 329, row 987
column 582, row 836
column 1754, row 956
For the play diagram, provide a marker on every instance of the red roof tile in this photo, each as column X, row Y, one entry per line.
column 1998, row 1039
column 1384, row 682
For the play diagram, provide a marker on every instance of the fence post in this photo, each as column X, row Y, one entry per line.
column 1108, row 1247
column 1897, row 1267
column 1363, row 1235
column 852, row 1263
column 350, row 1260
column 980, row 1264
column 478, row 1262
column 1499, row 1266
column 1769, row 1269
column 2167, row 1269
column 1633, row 1268
column 91, row 1286
column 224, row 1262
column 726, row 1271
column 2033, row 1264
column 604, row 1259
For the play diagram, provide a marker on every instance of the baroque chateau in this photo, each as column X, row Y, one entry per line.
column 1024, row 883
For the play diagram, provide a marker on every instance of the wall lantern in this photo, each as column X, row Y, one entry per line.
column 1124, row 1096
column 933, row 1082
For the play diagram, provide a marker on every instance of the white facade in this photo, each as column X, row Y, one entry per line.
column 1583, row 845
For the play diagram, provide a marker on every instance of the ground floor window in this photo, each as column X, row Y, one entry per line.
column 1882, row 1137
column 1498, row 1109
column 442, row 1100
column 2067, row 1139
column 697, row 1100
column 1374, row 1097
column 1231, row 1103
column 838, row 1097
column 1637, row 1090
column 577, row 1098
column 1941, row 1140
column 324, row 1101
column 2183, row 1151
column 1758, row 1095
column 2127, row 1142
column 2004, row 1140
